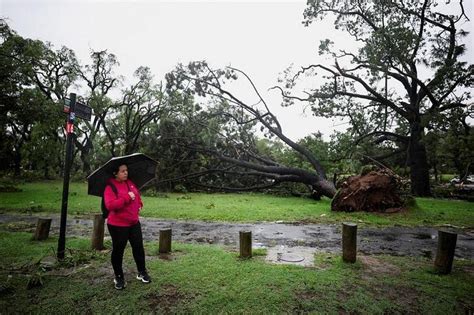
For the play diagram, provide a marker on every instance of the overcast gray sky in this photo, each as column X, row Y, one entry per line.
column 262, row 38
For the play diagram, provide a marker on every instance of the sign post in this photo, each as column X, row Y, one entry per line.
column 67, row 170
column 73, row 109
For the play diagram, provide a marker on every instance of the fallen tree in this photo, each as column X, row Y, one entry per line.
column 237, row 155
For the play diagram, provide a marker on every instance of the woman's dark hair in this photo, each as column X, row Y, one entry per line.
column 117, row 167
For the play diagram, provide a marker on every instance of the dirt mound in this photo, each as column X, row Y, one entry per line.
column 375, row 191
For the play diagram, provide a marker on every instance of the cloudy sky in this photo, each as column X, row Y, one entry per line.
column 262, row 38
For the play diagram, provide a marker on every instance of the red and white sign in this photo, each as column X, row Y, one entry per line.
column 69, row 128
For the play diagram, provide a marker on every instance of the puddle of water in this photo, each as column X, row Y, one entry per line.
column 298, row 255
column 257, row 245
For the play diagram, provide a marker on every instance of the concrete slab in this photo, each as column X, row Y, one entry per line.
column 297, row 255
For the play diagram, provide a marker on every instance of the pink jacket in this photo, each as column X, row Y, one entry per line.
column 123, row 211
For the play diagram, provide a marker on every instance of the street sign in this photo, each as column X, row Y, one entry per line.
column 67, row 104
column 81, row 110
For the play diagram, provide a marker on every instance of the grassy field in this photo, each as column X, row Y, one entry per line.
column 212, row 279
column 45, row 197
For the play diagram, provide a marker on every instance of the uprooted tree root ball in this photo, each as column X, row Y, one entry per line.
column 375, row 191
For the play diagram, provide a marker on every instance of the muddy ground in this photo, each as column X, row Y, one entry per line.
column 292, row 240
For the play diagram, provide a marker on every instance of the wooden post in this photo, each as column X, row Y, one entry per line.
column 97, row 241
column 42, row 229
column 245, row 238
column 445, row 254
column 349, row 242
column 165, row 241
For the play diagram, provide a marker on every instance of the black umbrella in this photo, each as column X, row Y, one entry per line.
column 141, row 170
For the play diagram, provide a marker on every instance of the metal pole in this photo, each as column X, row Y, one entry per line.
column 67, row 170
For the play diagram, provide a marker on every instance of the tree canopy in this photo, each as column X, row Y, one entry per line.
column 404, row 85
column 200, row 79
column 404, row 73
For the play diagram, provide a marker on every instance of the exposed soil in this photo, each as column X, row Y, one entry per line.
column 398, row 241
column 373, row 265
column 376, row 191
column 166, row 300
column 403, row 295
column 304, row 299
column 377, row 269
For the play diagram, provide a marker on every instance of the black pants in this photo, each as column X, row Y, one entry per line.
column 120, row 235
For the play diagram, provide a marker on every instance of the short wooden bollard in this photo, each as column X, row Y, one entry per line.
column 165, row 241
column 42, row 229
column 245, row 238
column 445, row 253
column 97, row 241
column 349, row 242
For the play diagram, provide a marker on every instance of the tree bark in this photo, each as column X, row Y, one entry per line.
column 17, row 161
column 418, row 162
column 46, row 171
column 85, row 149
column 86, row 166
column 324, row 187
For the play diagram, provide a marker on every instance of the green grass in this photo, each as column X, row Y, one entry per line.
column 45, row 197
column 212, row 279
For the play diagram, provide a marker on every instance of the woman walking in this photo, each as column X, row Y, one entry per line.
column 123, row 202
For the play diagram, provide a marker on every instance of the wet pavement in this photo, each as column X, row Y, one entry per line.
column 284, row 242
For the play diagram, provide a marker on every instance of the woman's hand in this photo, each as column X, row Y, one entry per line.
column 132, row 195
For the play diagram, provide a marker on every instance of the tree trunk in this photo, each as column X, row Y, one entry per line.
column 46, row 171
column 86, row 166
column 60, row 163
column 323, row 188
column 129, row 148
column 17, row 161
column 418, row 162
column 85, row 150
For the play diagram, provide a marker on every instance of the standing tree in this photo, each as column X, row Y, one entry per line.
column 100, row 79
column 409, row 46
column 34, row 77
column 141, row 104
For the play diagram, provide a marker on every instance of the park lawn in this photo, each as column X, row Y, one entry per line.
column 45, row 197
column 209, row 279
